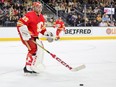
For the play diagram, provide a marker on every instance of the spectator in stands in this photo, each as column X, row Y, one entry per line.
column 99, row 18
column 50, row 22
column 111, row 23
column 105, row 17
column 96, row 10
column 94, row 23
column 79, row 20
column 103, row 24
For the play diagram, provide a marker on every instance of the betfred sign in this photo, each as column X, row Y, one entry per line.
column 77, row 31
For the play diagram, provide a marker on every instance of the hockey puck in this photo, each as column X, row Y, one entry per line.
column 81, row 84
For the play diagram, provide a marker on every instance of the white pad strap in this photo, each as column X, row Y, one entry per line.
column 24, row 32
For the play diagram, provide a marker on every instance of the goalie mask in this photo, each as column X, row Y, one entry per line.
column 37, row 6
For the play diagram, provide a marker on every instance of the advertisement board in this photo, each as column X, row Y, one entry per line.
column 72, row 33
column 109, row 10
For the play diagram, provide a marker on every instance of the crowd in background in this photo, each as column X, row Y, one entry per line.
column 88, row 13
column 11, row 11
column 74, row 13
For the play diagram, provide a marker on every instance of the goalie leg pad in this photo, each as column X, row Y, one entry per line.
column 30, row 60
column 38, row 65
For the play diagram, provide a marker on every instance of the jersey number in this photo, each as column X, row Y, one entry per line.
column 25, row 18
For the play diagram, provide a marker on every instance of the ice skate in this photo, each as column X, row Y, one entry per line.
column 29, row 72
column 57, row 38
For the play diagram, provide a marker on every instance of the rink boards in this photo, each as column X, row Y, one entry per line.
column 72, row 33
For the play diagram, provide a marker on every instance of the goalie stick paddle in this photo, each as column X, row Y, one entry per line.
column 61, row 61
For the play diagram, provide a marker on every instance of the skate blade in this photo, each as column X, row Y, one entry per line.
column 30, row 74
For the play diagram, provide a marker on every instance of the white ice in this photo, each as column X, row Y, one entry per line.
column 98, row 56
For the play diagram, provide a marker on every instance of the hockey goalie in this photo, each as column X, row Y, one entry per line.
column 29, row 27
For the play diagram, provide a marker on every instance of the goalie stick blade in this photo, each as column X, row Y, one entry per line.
column 78, row 68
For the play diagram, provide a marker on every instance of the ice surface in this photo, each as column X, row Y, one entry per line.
column 98, row 56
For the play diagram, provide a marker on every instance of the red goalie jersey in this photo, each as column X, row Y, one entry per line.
column 34, row 22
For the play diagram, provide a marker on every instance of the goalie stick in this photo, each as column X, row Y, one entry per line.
column 61, row 61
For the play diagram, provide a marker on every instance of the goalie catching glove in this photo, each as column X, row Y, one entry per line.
column 49, row 36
